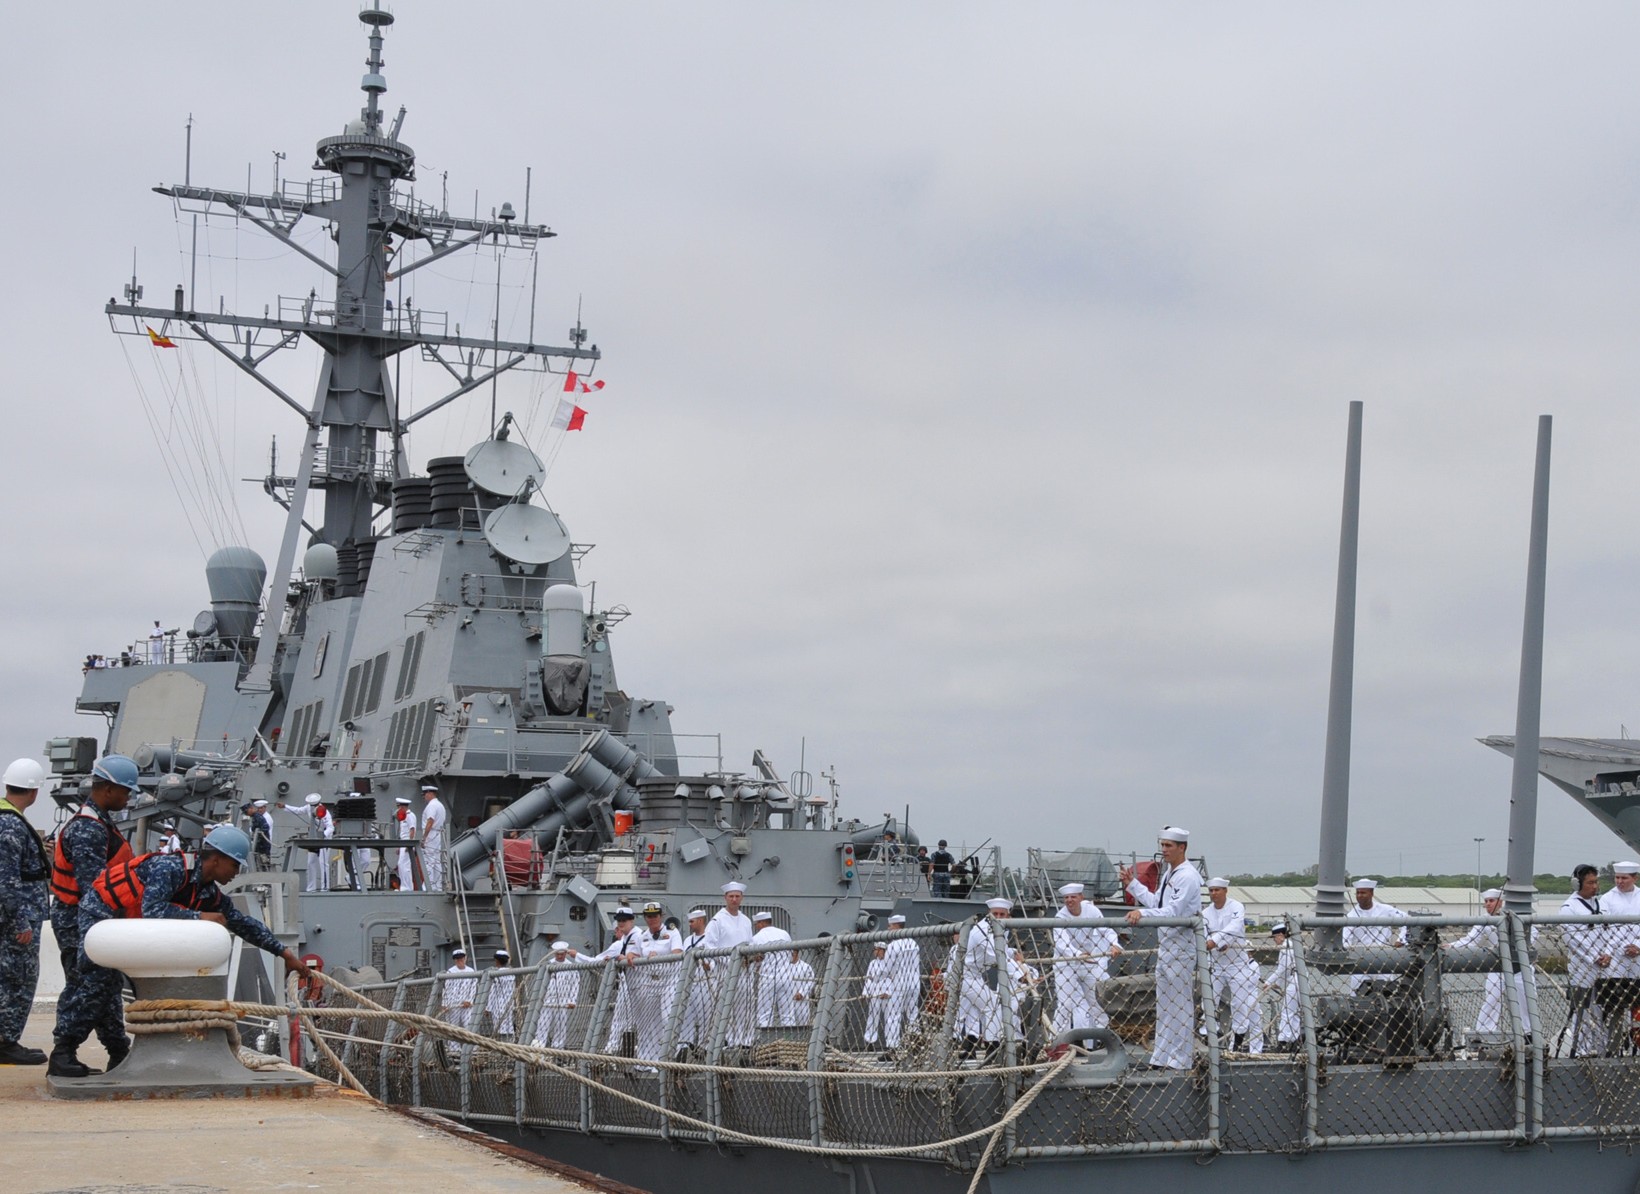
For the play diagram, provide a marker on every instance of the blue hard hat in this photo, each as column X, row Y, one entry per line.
column 117, row 770
column 225, row 839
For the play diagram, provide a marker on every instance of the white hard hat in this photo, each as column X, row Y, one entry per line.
column 26, row 774
column 312, row 798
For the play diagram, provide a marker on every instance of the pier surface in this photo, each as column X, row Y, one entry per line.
column 332, row 1141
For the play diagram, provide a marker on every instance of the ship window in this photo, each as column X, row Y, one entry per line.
column 352, row 691
column 378, row 675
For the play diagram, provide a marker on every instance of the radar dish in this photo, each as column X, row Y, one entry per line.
column 526, row 534
column 502, row 466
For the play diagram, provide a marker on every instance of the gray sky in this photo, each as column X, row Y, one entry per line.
column 977, row 376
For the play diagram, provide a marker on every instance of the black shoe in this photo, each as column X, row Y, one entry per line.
column 63, row 1064
column 11, row 1053
column 118, row 1053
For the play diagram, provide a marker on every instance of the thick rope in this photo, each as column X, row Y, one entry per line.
column 543, row 1058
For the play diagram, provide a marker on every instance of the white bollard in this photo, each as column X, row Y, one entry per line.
column 161, row 948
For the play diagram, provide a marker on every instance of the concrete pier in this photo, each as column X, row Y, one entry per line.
column 333, row 1141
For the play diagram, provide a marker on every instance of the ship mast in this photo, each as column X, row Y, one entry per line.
column 370, row 214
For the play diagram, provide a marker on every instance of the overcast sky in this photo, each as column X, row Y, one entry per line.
column 977, row 376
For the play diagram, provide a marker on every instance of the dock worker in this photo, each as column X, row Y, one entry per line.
column 1284, row 980
column 1620, row 993
column 878, row 992
column 435, row 823
column 24, row 905
column 1235, row 974
column 502, row 997
column 1486, row 937
column 905, row 968
column 160, row 886
column 408, row 822
column 261, row 835
column 728, row 928
column 559, row 999
column 1367, row 904
column 1178, row 895
column 1081, row 962
column 86, row 845
column 460, row 990
column 1585, row 948
column 774, row 973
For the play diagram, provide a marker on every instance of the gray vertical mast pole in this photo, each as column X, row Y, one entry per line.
column 1335, row 774
column 1518, row 890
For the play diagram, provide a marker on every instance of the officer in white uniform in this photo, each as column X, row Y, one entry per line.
column 1585, row 948
column 728, row 928
column 1179, row 895
column 774, row 974
column 320, row 825
column 460, row 989
column 1284, row 979
column 406, row 818
column 1622, row 945
column 502, row 997
column 1080, row 964
column 435, row 822
column 905, row 968
column 878, row 992
column 1367, row 904
column 653, row 984
column 558, row 1001
column 1235, row 974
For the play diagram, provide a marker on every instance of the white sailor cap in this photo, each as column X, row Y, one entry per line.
column 429, row 787
column 1072, row 889
column 559, row 946
column 696, row 914
column 1278, row 928
column 1001, row 903
column 624, row 913
column 896, row 919
column 502, row 955
column 1219, row 881
column 1492, row 893
column 1626, row 868
column 880, row 946
column 259, row 804
column 401, row 800
column 1172, row 833
column 312, row 798
column 734, row 885
column 458, row 952
column 757, row 916
column 1365, row 884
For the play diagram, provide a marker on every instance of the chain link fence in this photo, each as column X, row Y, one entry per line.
column 1045, row 1038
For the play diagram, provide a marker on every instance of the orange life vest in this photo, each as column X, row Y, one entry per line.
column 121, row 888
column 64, row 885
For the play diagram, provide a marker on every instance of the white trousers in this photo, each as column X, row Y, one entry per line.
column 1175, row 1011
column 407, row 874
column 1236, row 979
column 880, row 1019
column 1076, row 997
column 318, row 871
column 432, row 864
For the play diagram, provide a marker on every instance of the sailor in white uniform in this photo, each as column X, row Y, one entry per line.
column 435, row 823
column 1081, row 963
column 1235, row 974
column 460, row 989
column 878, row 992
column 169, row 842
column 697, row 1011
column 1180, row 895
column 623, row 951
column 1585, row 948
column 979, row 1014
column 500, row 1001
column 1284, row 980
column 774, row 974
column 803, row 992
column 1485, row 937
column 558, row 1001
column 407, row 833
column 1618, row 999
column 653, row 984
column 320, row 825
column 1367, row 904
column 905, row 969
column 728, row 928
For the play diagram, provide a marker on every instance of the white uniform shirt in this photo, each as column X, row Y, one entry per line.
column 407, row 827
column 1366, row 936
column 724, row 931
column 905, row 962
column 879, row 981
column 1583, row 945
column 499, row 1002
column 1090, row 945
column 1615, row 903
column 462, row 988
column 1180, row 894
column 170, row 844
column 1227, row 930
column 434, row 819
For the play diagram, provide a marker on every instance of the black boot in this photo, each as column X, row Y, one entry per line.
column 12, row 1053
column 118, row 1052
column 63, row 1064
column 1238, row 1043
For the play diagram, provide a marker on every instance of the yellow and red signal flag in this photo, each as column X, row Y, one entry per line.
column 158, row 340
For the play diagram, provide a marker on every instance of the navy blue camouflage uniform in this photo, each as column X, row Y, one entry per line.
column 262, row 840
column 24, row 869
column 88, row 1003
column 169, row 892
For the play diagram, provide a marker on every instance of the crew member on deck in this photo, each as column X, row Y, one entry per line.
column 1081, row 962
column 728, row 928
column 1180, row 895
column 1367, row 904
column 24, row 904
column 435, row 823
column 86, row 845
column 1620, row 993
column 1235, row 974
column 1586, row 962
column 406, row 818
column 261, row 835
